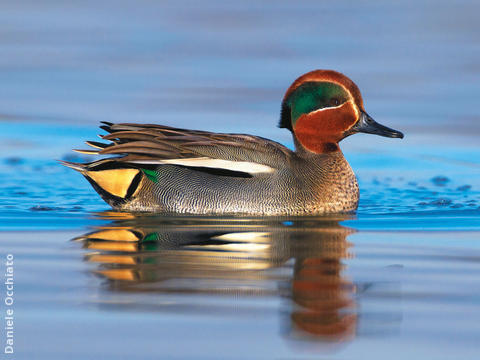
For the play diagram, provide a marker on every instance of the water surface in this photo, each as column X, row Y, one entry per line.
column 397, row 280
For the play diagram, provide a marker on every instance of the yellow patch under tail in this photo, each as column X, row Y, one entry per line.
column 115, row 182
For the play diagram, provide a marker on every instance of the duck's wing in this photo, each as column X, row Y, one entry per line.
column 157, row 144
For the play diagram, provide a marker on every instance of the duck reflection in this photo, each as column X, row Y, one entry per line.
column 300, row 260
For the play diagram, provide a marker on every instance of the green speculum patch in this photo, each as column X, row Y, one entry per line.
column 312, row 96
column 152, row 175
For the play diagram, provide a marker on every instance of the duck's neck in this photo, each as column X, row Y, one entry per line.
column 322, row 148
column 327, row 166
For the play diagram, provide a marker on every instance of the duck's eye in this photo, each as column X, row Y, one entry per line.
column 334, row 101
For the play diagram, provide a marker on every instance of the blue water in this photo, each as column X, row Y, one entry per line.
column 399, row 279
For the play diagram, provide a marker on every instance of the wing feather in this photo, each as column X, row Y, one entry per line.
column 150, row 143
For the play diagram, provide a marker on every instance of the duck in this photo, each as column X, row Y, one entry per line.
column 163, row 169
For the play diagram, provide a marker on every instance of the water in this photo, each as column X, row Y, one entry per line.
column 399, row 279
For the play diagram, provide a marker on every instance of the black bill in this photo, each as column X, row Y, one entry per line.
column 367, row 125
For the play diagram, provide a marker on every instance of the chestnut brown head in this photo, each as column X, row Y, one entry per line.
column 324, row 106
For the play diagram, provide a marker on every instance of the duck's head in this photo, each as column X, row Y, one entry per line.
column 324, row 106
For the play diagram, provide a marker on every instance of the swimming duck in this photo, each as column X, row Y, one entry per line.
column 165, row 169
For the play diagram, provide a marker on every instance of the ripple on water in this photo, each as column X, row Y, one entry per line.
column 439, row 193
column 440, row 180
